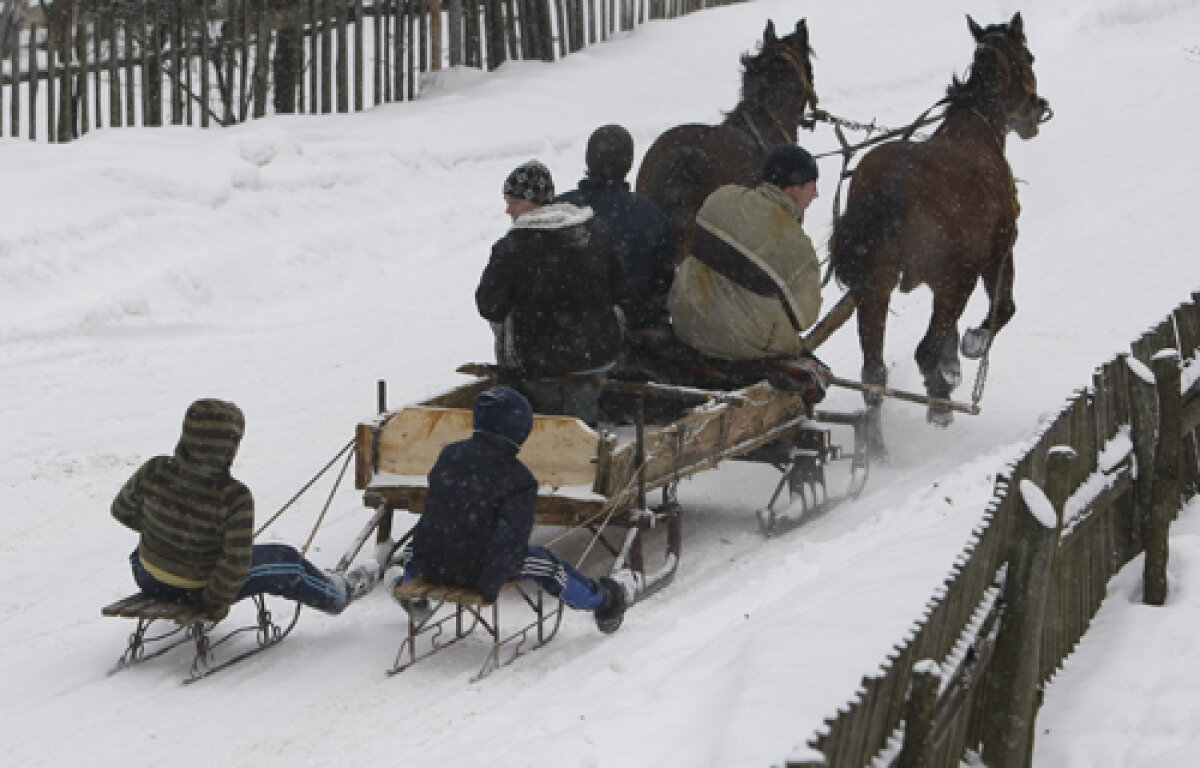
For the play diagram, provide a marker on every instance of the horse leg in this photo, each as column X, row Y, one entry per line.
column 872, row 319
column 999, row 287
column 937, row 356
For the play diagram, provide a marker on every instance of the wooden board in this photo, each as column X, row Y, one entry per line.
column 706, row 436
column 561, row 450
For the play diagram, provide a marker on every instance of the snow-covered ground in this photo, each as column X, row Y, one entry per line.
column 290, row 263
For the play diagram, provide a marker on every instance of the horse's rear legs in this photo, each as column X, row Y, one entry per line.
column 872, row 317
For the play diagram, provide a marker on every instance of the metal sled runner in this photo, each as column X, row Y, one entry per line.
column 432, row 629
column 191, row 624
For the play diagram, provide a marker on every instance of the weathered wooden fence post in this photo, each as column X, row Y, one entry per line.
column 918, row 714
column 288, row 64
column 1013, row 682
column 1165, row 486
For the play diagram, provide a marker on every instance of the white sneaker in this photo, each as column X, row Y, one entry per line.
column 361, row 580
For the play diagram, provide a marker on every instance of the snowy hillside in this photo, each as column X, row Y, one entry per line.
column 288, row 264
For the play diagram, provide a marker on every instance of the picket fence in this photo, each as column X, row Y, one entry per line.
column 1115, row 465
column 87, row 64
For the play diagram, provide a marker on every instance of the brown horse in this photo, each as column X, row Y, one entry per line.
column 943, row 212
column 687, row 162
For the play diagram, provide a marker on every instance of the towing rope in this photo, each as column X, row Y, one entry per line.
column 345, row 449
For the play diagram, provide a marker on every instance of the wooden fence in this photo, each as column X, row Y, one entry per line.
column 1113, row 468
column 87, row 64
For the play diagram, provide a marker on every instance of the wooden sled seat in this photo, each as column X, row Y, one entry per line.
column 454, row 613
column 192, row 623
column 143, row 606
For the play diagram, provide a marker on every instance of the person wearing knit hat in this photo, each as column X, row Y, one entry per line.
column 751, row 282
column 196, row 526
column 552, row 290
column 530, row 181
column 479, row 513
column 639, row 227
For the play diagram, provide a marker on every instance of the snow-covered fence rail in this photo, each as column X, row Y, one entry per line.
column 1100, row 486
column 90, row 64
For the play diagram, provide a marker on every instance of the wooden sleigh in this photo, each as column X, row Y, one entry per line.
column 600, row 480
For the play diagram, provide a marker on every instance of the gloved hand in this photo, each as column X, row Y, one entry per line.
column 805, row 375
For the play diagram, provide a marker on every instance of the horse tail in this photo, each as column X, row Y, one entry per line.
column 869, row 221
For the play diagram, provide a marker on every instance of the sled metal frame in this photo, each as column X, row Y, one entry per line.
column 801, row 463
column 454, row 613
column 191, row 624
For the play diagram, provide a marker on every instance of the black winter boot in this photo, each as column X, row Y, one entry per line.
column 610, row 614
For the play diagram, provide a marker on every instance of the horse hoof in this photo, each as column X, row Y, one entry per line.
column 940, row 417
column 951, row 374
column 975, row 342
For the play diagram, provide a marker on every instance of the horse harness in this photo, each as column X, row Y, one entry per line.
column 809, row 96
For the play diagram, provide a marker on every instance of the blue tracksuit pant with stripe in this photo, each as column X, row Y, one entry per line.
column 276, row 569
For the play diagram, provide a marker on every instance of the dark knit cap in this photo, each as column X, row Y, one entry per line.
column 531, row 181
column 609, row 153
column 789, row 165
column 504, row 412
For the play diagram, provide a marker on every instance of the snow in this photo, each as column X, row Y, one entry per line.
column 1038, row 505
column 290, row 263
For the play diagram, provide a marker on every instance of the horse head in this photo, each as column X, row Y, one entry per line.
column 1003, row 59
column 779, row 78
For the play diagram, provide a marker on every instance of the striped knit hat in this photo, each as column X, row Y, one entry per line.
column 212, row 431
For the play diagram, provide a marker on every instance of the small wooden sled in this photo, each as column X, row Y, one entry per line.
column 455, row 612
column 191, row 624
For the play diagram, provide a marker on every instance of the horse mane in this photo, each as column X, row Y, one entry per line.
column 982, row 88
column 769, row 77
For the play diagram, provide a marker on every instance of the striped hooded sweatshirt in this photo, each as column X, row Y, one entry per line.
column 196, row 521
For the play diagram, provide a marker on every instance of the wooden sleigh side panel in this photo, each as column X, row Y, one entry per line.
column 396, row 453
column 707, row 435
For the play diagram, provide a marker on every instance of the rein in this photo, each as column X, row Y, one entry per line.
column 848, row 150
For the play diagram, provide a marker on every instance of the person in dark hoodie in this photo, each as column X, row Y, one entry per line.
column 478, row 516
column 196, row 526
column 552, row 289
column 639, row 227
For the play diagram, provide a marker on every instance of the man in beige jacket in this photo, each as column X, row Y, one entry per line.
column 751, row 282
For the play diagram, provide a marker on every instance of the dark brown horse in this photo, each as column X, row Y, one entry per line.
column 687, row 162
column 943, row 212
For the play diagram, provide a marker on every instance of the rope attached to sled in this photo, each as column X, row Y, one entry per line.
column 346, row 449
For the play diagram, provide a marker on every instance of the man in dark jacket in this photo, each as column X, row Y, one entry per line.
column 552, row 290
column 478, row 515
column 197, row 524
column 641, row 230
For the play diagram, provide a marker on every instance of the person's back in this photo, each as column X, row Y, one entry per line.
column 752, row 281
column 479, row 512
column 474, row 534
column 641, row 231
column 196, row 521
column 196, row 527
column 552, row 290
